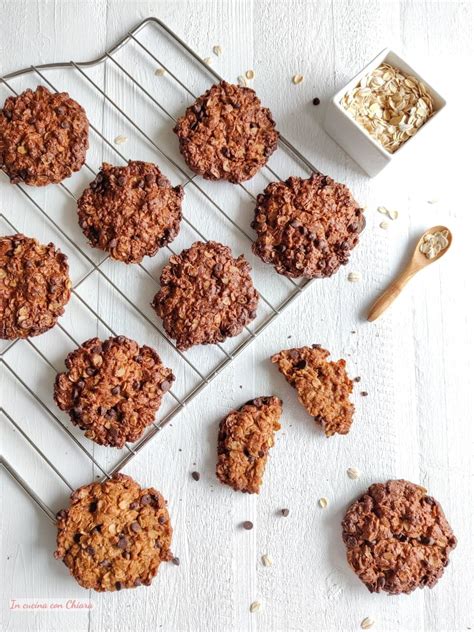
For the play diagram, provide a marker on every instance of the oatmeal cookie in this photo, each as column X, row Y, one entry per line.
column 130, row 211
column 44, row 137
column 206, row 295
column 114, row 534
column 245, row 438
column 112, row 389
column 397, row 538
column 306, row 228
column 227, row 134
column 34, row 286
column 323, row 386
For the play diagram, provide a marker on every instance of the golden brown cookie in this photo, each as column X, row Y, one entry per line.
column 306, row 227
column 43, row 137
column 114, row 534
column 323, row 386
column 112, row 389
column 397, row 538
column 227, row 134
column 206, row 295
column 130, row 211
column 245, row 438
column 34, row 286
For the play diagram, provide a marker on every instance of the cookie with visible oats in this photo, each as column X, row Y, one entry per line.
column 306, row 227
column 114, row 534
column 323, row 386
column 112, row 389
column 245, row 438
column 227, row 134
column 44, row 137
column 397, row 538
column 206, row 295
column 130, row 212
column 34, row 286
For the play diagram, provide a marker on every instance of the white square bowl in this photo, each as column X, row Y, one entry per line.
column 355, row 140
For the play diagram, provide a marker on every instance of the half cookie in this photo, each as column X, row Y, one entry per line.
column 323, row 386
column 227, row 134
column 43, row 137
column 306, row 228
column 114, row 534
column 34, row 286
column 397, row 538
column 130, row 212
column 245, row 438
column 112, row 389
column 206, row 295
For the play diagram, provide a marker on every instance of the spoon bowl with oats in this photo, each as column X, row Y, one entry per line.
column 432, row 245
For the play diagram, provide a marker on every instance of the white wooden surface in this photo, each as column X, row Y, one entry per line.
column 416, row 363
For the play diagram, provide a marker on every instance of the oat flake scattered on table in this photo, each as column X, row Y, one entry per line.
column 353, row 473
column 354, row 277
column 367, row 623
column 217, row 50
column 120, row 139
column 296, row 79
column 255, row 606
column 267, row 560
column 389, row 105
column 384, row 225
column 323, row 502
column 207, row 61
column 250, row 74
column 159, row 72
column 242, row 80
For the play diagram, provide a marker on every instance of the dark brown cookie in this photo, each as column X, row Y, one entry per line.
column 206, row 295
column 245, row 438
column 130, row 211
column 34, row 286
column 43, row 137
column 227, row 134
column 112, row 389
column 323, row 387
column 397, row 538
column 114, row 534
column 306, row 228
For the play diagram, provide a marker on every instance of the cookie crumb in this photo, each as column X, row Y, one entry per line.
column 267, row 560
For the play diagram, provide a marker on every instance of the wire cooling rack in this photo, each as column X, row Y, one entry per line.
column 134, row 91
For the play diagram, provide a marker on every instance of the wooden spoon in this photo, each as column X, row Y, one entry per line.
column 417, row 262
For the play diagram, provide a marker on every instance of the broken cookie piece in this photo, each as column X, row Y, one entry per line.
column 245, row 438
column 323, row 386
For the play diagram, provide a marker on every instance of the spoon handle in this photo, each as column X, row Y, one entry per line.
column 390, row 294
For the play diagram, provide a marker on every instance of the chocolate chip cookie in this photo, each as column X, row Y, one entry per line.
column 306, row 228
column 227, row 134
column 245, row 438
column 114, row 534
column 323, row 386
column 44, row 137
column 397, row 538
column 112, row 389
column 130, row 211
column 34, row 286
column 206, row 295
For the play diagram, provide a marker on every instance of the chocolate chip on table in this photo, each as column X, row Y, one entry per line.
column 196, row 475
column 285, row 512
column 247, row 525
column 357, row 379
column 176, row 561
column 316, row 101
column 364, row 393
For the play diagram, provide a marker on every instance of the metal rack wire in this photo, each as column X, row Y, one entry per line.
column 203, row 377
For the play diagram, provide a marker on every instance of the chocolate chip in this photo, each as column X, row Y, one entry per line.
column 357, row 379
column 137, row 582
column 90, row 550
column 300, row 365
column 116, row 390
column 122, row 542
column 247, row 525
column 165, row 385
column 196, row 475
column 364, row 393
column 77, row 537
column 162, row 519
column 105, row 563
column 145, row 499
column 118, row 585
column 121, row 180
column 176, row 561
column 135, row 527
column 425, row 540
column 92, row 507
column 134, row 505
column 285, row 512
column 316, row 101
column 217, row 269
